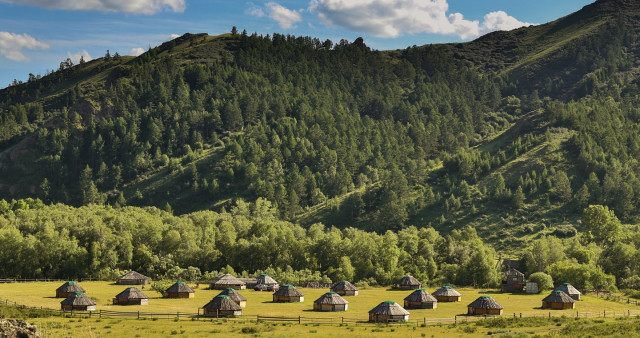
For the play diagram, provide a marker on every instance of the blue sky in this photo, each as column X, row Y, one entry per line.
column 36, row 35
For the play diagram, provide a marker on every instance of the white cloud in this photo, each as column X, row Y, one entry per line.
column 254, row 10
column 500, row 21
column 11, row 45
column 126, row 6
column 392, row 18
column 76, row 57
column 285, row 17
column 136, row 51
column 174, row 36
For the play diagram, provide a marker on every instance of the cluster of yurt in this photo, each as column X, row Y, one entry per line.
column 78, row 301
column 229, row 302
column 75, row 298
column 68, row 288
column 222, row 306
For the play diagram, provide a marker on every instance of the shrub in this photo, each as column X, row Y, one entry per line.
column 545, row 282
column 565, row 231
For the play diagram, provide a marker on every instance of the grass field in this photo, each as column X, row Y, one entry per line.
column 259, row 303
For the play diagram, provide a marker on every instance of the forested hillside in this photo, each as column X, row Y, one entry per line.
column 513, row 134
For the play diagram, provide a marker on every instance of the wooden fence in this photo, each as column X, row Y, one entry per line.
column 425, row 321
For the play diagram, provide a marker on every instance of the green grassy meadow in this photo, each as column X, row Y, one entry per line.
column 259, row 303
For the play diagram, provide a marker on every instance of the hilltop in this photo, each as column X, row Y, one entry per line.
column 513, row 133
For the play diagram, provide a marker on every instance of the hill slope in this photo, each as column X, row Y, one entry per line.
column 345, row 135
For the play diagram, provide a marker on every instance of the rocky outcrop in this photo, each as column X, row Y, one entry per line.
column 18, row 328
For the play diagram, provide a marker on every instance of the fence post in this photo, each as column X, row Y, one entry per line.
column 604, row 313
column 577, row 314
column 549, row 314
column 138, row 314
column 514, row 315
column 455, row 320
column 299, row 319
column 100, row 314
column 520, row 314
column 342, row 320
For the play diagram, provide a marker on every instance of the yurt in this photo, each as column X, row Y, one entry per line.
column 234, row 296
column 288, row 294
column 558, row 300
column 420, row 299
column 67, row 289
column 447, row 294
column 345, row 288
column 222, row 306
column 330, row 301
column 484, row 305
column 388, row 311
column 570, row 290
column 180, row 290
column 131, row 296
column 78, row 301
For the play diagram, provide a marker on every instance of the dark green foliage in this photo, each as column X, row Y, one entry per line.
column 510, row 134
column 102, row 242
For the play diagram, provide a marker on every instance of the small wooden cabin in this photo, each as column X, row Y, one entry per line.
column 407, row 282
column 78, row 301
column 288, row 294
column 558, row 300
column 345, row 288
column 68, row 288
column 420, row 299
column 388, row 311
column 447, row 294
column 180, row 290
column 513, row 281
column 227, row 281
column 570, row 290
column 234, row 296
column 133, row 278
column 484, row 305
column 330, row 301
column 221, row 306
column 131, row 296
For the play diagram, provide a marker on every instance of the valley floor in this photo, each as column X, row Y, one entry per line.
column 535, row 320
